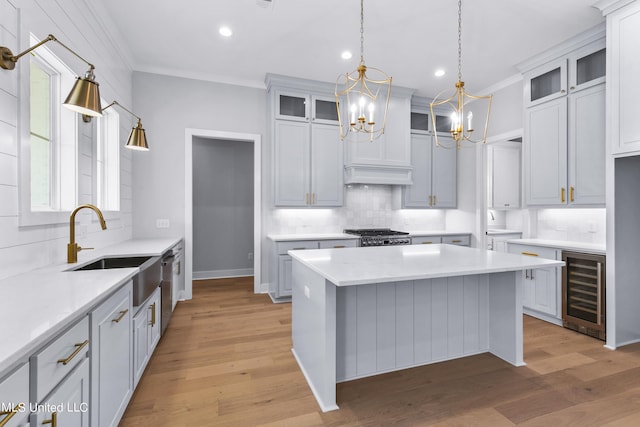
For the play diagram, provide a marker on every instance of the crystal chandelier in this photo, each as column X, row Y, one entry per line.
column 362, row 94
column 461, row 128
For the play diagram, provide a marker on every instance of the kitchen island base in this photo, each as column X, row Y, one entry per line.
column 342, row 333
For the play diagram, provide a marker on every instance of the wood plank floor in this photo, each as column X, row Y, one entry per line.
column 226, row 360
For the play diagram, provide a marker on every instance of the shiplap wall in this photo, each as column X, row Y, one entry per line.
column 76, row 23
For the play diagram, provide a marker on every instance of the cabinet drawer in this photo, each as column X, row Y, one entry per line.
column 55, row 361
column 531, row 250
column 14, row 390
column 426, row 240
column 462, row 240
column 284, row 247
column 339, row 243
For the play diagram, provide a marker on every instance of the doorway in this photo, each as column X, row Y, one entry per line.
column 198, row 138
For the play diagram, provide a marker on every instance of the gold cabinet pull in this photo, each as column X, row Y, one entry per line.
column 79, row 347
column 571, row 190
column 339, row 246
column 53, row 420
column 562, row 194
column 119, row 318
column 435, row 201
column 153, row 314
column 529, row 253
column 427, row 243
column 306, row 198
column 10, row 414
column 430, row 200
column 313, row 198
column 298, row 249
column 456, row 241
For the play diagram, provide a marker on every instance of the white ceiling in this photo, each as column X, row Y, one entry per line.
column 408, row 39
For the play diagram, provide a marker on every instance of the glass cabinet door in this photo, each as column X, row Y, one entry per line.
column 546, row 82
column 291, row 106
column 419, row 122
column 587, row 67
column 324, row 110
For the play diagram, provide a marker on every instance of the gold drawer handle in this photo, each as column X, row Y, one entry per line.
column 53, row 421
column 10, row 414
column 119, row 318
column 430, row 200
column 571, row 190
column 562, row 195
column 427, row 243
column 153, row 314
column 299, row 249
column 79, row 347
column 456, row 241
column 529, row 253
column 313, row 198
column 339, row 246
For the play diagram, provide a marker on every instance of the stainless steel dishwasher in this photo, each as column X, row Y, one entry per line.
column 166, row 291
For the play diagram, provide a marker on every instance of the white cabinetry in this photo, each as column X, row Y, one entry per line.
column 623, row 87
column 14, row 392
column 67, row 405
column 564, row 133
column 498, row 242
column 146, row 334
column 111, row 356
column 449, row 239
column 387, row 159
column 503, row 164
column 280, row 278
column 434, row 176
column 541, row 286
column 307, row 151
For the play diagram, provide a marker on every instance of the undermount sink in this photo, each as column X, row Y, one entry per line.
column 107, row 263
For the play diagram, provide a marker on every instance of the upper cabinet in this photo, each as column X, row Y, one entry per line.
column 503, row 164
column 564, row 131
column 308, row 166
column 387, row 159
column 623, row 88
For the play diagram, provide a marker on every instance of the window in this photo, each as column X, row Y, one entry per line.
column 107, row 164
column 51, row 167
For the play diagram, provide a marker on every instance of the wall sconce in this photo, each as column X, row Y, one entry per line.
column 137, row 138
column 84, row 97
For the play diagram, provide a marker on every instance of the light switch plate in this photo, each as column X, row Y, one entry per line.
column 162, row 223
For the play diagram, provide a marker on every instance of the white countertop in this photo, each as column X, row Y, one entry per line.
column 311, row 236
column 358, row 266
column 591, row 248
column 427, row 233
column 37, row 305
column 499, row 231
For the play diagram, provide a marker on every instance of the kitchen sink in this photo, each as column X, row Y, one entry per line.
column 107, row 263
column 144, row 283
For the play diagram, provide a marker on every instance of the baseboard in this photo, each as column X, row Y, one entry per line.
column 221, row 274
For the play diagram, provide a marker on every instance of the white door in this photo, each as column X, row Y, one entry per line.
column 417, row 194
column 586, row 150
column 291, row 167
column 545, row 289
column 443, row 175
column 327, row 166
column 505, row 177
column 545, row 144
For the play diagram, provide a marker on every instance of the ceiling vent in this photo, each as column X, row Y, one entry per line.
column 266, row 4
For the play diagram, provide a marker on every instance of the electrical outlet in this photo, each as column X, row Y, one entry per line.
column 162, row 223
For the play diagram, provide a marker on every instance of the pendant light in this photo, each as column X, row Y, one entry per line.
column 362, row 95
column 84, row 97
column 461, row 128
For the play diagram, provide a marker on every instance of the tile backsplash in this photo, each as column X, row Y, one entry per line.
column 365, row 206
column 578, row 225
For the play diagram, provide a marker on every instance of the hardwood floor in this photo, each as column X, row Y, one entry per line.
column 226, row 360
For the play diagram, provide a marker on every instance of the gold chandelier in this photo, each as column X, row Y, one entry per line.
column 460, row 129
column 362, row 95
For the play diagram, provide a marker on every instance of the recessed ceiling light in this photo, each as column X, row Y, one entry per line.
column 346, row 55
column 225, row 31
column 439, row 72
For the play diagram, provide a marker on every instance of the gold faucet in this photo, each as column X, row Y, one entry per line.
column 72, row 247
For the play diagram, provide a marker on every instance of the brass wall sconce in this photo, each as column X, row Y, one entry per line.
column 84, row 97
column 137, row 138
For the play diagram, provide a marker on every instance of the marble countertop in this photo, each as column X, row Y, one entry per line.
column 427, row 233
column 591, row 248
column 358, row 266
column 499, row 231
column 311, row 236
column 37, row 305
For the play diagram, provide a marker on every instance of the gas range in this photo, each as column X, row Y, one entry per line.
column 380, row 236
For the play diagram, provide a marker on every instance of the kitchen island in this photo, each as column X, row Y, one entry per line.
column 361, row 311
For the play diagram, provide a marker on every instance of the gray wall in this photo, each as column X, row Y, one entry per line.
column 222, row 206
column 169, row 105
